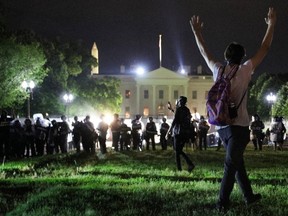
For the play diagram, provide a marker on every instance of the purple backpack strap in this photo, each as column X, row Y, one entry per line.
column 232, row 72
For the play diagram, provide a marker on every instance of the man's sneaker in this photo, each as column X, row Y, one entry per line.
column 254, row 198
column 191, row 167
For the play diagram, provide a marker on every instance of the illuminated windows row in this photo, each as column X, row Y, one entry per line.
column 146, row 94
column 161, row 94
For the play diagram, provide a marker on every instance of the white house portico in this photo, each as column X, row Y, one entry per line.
column 149, row 93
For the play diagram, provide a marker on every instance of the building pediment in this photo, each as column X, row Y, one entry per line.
column 162, row 76
column 163, row 73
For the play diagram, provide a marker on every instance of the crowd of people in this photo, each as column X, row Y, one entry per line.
column 29, row 139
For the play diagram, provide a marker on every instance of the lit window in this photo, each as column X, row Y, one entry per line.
column 176, row 95
column 161, row 109
column 146, row 94
column 127, row 94
column 161, row 94
column 146, row 111
column 127, row 112
column 194, row 95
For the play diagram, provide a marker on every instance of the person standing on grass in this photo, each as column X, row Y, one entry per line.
column 235, row 136
column 257, row 126
column 203, row 129
column 137, row 132
column 88, row 135
column 76, row 132
column 163, row 131
column 125, row 136
column 29, row 138
column 277, row 132
column 281, row 135
column 150, row 131
column 180, row 128
column 63, row 132
column 102, row 133
column 115, row 129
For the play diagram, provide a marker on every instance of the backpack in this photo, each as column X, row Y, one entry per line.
column 220, row 110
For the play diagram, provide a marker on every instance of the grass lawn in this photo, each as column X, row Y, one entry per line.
column 138, row 183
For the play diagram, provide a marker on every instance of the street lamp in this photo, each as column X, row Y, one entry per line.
column 271, row 98
column 28, row 86
column 68, row 98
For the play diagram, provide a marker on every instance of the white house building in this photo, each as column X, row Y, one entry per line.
column 149, row 93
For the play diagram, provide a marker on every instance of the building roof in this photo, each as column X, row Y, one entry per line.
column 163, row 72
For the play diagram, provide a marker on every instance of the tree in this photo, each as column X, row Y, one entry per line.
column 99, row 94
column 69, row 70
column 19, row 62
column 280, row 108
column 266, row 83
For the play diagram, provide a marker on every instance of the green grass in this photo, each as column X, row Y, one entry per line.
column 138, row 183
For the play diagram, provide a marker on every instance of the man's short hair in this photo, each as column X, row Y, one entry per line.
column 181, row 101
column 234, row 53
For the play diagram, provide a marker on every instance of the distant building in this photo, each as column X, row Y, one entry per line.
column 94, row 53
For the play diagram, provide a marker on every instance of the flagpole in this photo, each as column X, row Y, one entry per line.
column 160, row 50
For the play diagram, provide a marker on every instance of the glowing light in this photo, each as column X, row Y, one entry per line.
column 140, row 70
column 271, row 98
column 108, row 118
column 68, row 97
column 30, row 84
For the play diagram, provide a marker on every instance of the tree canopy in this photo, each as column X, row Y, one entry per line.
column 57, row 67
column 19, row 62
column 264, row 85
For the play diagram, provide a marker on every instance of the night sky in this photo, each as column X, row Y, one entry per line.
column 127, row 31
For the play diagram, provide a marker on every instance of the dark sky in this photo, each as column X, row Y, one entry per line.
column 127, row 31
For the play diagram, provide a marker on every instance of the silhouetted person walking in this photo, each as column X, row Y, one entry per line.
column 180, row 127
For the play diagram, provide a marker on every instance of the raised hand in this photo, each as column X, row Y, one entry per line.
column 196, row 24
column 271, row 16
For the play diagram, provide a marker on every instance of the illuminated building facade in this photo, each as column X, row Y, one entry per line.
column 148, row 94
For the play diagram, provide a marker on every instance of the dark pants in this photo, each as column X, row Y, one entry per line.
column 125, row 141
column 30, row 146
column 137, row 142
column 202, row 141
column 4, row 144
column 40, row 147
column 257, row 141
column 102, row 143
column 149, row 137
column 235, row 139
column 76, row 142
column 179, row 142
column 115, row 140
column 63, row 143
column 163, row 141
